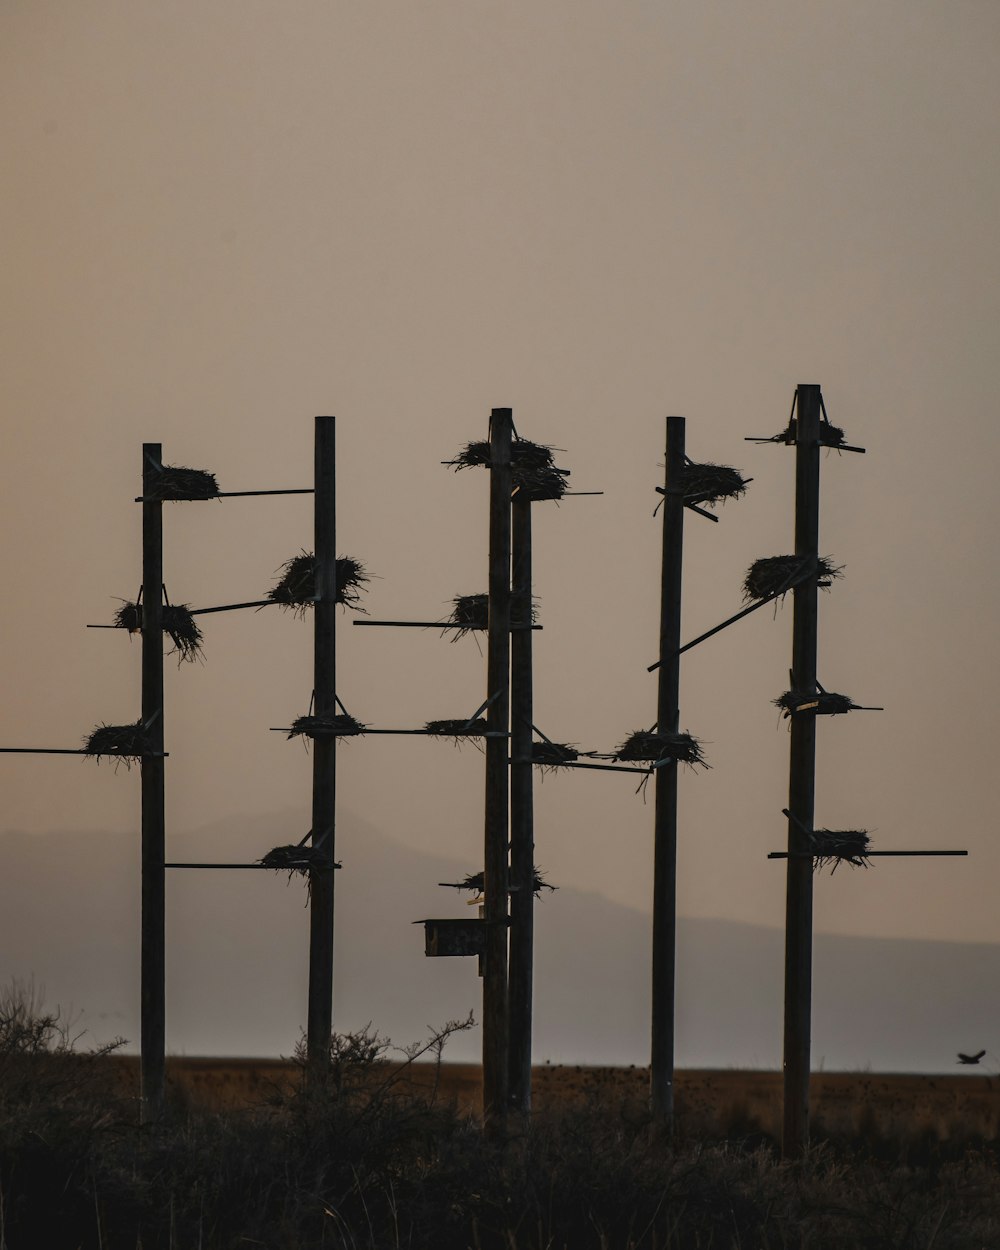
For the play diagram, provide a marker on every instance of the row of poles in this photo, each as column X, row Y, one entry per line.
column 506, row 926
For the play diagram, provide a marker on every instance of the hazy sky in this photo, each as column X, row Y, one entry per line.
column 220, row 219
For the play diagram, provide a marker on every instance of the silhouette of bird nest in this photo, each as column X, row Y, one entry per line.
column 474, row 883
column 840, row 846
column 648, row 747
column 472, row 612
column 301, row 859
column 456, row 729
column 775, row 575
column 326, row 727
column 122, row 743
column 533, row 471
column 829, row 435
column 819, row 703
column 553, row 754
column 296, row 587
column 175, row 482
column 178, row 624
column 710, row 483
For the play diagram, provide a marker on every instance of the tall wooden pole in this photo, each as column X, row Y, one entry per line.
column 801, row 784
column 495, row 874
column 152, row 1026
column 522, row 841
column 665, row 812
column 324, row 794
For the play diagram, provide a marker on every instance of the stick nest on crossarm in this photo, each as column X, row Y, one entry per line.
column 647, row 747
column 840, row 846
column 711, row 483
column 122, row 743
column 456, row 729
column 472, row 612
column 553, row 754
column 176, row 482
column 820, row 703
column 775, row 575
column 296, row 588
column 326, row 727
column 533, row 471
column 301, row 859
column 178, row 624
column 474, row 883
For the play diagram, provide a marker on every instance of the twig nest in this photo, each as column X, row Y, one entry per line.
column 472, row 612
column 326, row 727
column 296, row 588
column 176, row 482
column 474, row 882
column 839, row 846
column 533, row 471
column 647, row 747
column 829, row 435
column 178, row 624
column 710, row 483
column 302, row 859
column 456, row 728
column 818, row 703
column 119, row 742
column 552, row 754
column 775, row 575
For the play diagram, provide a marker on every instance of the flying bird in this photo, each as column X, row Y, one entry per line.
column 970, row 1058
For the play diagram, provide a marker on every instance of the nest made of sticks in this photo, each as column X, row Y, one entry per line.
column 175, row 482
column 553, row 754
column 126, row 743
column 474, row 882
column 472, row 612
column 817, row 703
column 774, row 575
column 533, row 471
column 303, row 859
column 838, row 846
column 648, row 747
column 710, row 483
column 178, row 624
column 326, row 727
column 456, row 729
column 296, row 588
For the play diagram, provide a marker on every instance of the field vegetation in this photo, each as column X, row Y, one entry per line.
column 368, row 1157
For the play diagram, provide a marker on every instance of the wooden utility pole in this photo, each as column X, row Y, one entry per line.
column 665, row 812
column 324, row 795
column 522, row 842
column 152, row 1026
column 495, row 862
column 802, row 782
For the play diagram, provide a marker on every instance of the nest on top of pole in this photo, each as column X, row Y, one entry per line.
column 648, row 747
column 774, row 575
column 178, row 623
column 175, row 482
column 122, row 743
column 533, row 471
column 326, row 727
column 471, row 612
column 840, row 846
column 296, row 588
column 711, row 483
column 815, row 703
column 474, row 882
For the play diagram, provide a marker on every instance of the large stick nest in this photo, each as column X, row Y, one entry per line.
column 296, row 588
column 839, row 846
column 533, row 471
column 553, row 754
column 178, row 624
column 818, row 703
column 829, row 435
column 126, row 743
column 775, row 575
column 472, row 612
column 474, row 882
column 301, row 859
column 456, row 729
column 326, row 727
column 710, row 483
column 175, row 482
column 647, row 747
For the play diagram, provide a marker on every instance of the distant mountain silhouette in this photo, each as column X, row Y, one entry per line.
column 237, row 947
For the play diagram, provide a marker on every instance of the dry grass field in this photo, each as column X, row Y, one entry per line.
column 720, row 1103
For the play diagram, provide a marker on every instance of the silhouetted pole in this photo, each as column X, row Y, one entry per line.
column 324, row 796
column 495, row 875
column 153, row 944
column 665, row 814
column 522, row 841
column 801, row 784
